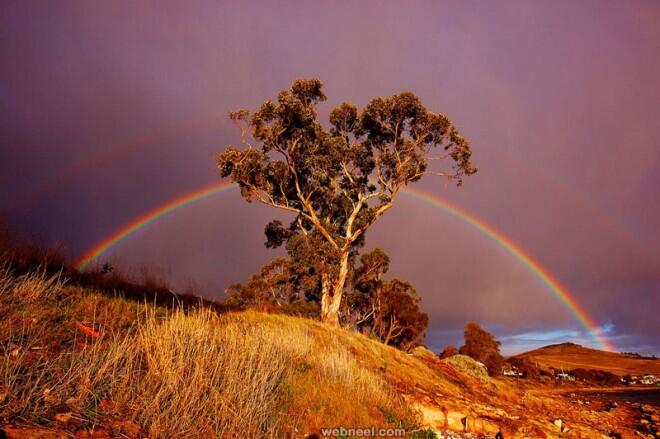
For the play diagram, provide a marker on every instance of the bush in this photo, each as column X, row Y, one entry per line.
column 482, row 346
column 469, row 366
column 593, row 376
column 449, row 351
column 528, row 368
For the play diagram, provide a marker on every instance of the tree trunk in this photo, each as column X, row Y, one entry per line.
column 386, row 341
column 331, row 294
column 326, row 298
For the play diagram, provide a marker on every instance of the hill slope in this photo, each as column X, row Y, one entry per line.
column 572, row 356
column 80, row 362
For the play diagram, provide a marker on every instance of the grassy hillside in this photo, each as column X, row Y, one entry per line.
column 572, row 356
column 78, row 361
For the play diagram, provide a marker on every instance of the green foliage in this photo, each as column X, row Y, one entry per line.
column 385, row 309
column 302, row 367
column 409, row 425
column 336, row 182
column 426, row 433
column 323, row 175
column 389, row 309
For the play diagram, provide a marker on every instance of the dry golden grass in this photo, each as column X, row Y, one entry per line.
column 184, row 375
column 569, row 356
column 31, row 287
column 197, row 374
column 176, row 373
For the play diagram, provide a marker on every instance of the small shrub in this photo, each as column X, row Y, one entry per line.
column 449, row 351
column 424, row 434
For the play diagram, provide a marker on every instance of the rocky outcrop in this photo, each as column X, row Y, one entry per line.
column 469, row 366
column 445, row 418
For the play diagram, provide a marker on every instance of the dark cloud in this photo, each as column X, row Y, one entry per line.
column 559, row 100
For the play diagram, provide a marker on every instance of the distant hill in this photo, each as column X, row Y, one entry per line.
column 574, row 356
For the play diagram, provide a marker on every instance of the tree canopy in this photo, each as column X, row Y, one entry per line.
column 385, row 309
column 338, row 181
column 482, row 346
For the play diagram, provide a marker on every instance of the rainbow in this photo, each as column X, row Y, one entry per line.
column 148, row 218
column 111, row 152
column 560, row 291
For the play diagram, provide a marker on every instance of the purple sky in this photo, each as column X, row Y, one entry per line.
column 560, row 100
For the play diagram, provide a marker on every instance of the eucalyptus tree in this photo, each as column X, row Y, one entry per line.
column 337, row 180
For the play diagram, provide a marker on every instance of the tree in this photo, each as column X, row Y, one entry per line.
column 387, row 309
column 337, row 182
column 482, row 346
column 528, row 368
column 399, row 321
column 278, row 287
column 269, row 288
column 448, row 351
column 365, row 297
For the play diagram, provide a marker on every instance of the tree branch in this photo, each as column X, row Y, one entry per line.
column 305, row 202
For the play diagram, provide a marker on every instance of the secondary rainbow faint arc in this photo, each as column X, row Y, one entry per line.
column 110, row 153
column 560, row 291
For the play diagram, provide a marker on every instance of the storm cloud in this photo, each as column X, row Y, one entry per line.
column 109, row 109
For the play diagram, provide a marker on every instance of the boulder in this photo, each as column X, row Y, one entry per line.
column 423, row 353
column 469, row 366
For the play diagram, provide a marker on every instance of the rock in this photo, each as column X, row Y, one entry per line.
column 423, row 353
column 430, row 415
column 63, row 417
column 610, row 406
column 128, row 427
column 530, row 431
column 468, row 365
column 486, row 426
column 456, row 421
column 93, row 434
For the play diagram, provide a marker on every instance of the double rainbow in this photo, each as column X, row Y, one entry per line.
column 560, row 291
